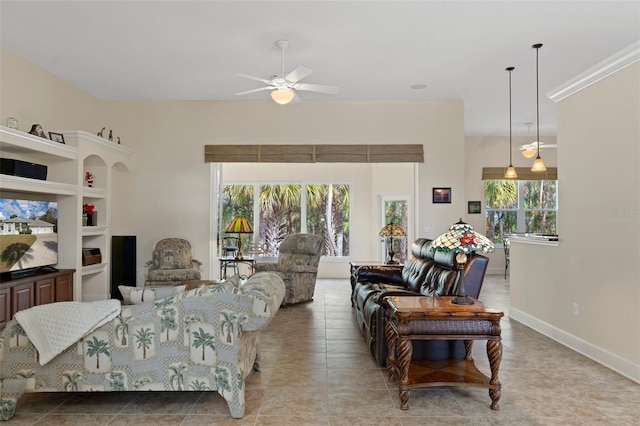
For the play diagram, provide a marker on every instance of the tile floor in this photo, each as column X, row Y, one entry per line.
column 316, row 370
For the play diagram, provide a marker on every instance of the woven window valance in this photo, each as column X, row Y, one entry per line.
column 524, row 173
column 412, row 153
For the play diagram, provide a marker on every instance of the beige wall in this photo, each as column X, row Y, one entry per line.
column 170, row 191
column 33, row 95
column 596, row 264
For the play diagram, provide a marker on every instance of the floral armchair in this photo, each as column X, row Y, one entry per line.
column 171, row 262
column 205, row 339
column 298, row 259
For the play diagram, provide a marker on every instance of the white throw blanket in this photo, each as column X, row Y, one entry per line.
column 54, row 327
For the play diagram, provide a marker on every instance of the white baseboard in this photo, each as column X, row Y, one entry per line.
column 606, row 358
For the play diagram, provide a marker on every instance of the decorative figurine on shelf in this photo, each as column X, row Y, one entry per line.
column 89, row 177
column 110, row 135
column 100, row 133
column 118, row 140
column 91, row 215
column 37, row 130
column 12, row 123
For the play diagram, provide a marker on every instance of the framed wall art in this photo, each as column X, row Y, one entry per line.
column 474, row 207
column 56, row 137
column 441, row 195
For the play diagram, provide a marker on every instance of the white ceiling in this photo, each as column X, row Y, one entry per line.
column 373, row 50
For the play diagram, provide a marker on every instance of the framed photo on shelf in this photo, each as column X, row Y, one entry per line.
column 441, row 195
column 474, row 207
column 56, row 137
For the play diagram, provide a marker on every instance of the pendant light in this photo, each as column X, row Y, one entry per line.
column 538, row 164
column 510, row 173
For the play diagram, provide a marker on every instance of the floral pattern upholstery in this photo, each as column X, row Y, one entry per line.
column 172, row 262
column 298, row 259
column 202, row 339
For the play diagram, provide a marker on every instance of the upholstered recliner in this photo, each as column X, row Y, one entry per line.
column 171, row 263
column 298, row 259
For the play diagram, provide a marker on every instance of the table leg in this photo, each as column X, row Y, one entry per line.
column 494, row 352
column 223, row 270
column 392, row 338
column 405, row 348
column 468, row 346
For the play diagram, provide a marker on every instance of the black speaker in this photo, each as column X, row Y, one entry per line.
column 123, row 263
column 23, row 169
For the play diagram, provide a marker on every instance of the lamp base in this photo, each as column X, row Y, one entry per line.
column 239, row 255
column 391, row 262
column 462, row 300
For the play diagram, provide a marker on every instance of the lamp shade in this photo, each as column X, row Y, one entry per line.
column 392, row 230
column 282, row 96
column 461, row 238
column 239, row 225
column 538, row 165
column 510, row 173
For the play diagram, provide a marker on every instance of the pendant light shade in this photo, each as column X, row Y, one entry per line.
column 510, row 173
column 538, row 164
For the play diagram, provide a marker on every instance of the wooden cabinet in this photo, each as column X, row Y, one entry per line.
column 5, row 306
column 45, row 291
column 39, row 289
column 64, row 288
column 22, row 297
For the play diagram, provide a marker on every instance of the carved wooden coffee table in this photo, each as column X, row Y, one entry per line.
column 436, row 318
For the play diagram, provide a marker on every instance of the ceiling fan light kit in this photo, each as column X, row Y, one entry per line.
column 529, row 152
column 282, row 96
column 283, row 86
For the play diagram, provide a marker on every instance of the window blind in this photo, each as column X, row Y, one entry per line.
column 407, row 153
column 524, row 173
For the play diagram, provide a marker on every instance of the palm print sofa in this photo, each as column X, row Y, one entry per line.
column 201, row 339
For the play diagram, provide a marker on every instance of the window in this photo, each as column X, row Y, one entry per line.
column 281, row 209
column 523, row 206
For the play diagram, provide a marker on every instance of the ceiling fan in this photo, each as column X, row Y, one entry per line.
column 529, row 149
column 284, row 87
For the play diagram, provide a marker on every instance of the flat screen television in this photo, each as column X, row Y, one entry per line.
column 28, row 236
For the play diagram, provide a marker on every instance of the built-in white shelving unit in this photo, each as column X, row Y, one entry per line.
column 67, row 165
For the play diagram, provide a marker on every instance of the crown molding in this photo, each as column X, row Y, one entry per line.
column 603, row 69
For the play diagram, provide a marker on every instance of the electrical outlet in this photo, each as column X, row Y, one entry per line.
column 576, row 309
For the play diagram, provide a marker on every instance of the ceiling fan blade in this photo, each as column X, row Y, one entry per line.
column 298, row 74
column 296, row 99
column 250, row 77
column 255, row 90
column 318, row 88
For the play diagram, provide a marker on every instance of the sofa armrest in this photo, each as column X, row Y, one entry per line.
column 380, row 274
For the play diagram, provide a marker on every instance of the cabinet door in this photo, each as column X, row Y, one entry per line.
column 5, row 307
column 64, row 288
column 45, row 291
column 21, row 297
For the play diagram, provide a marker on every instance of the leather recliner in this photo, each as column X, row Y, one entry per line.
column 425, row 272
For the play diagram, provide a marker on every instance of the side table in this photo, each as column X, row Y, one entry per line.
column 436, row 318
column 232, row 262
